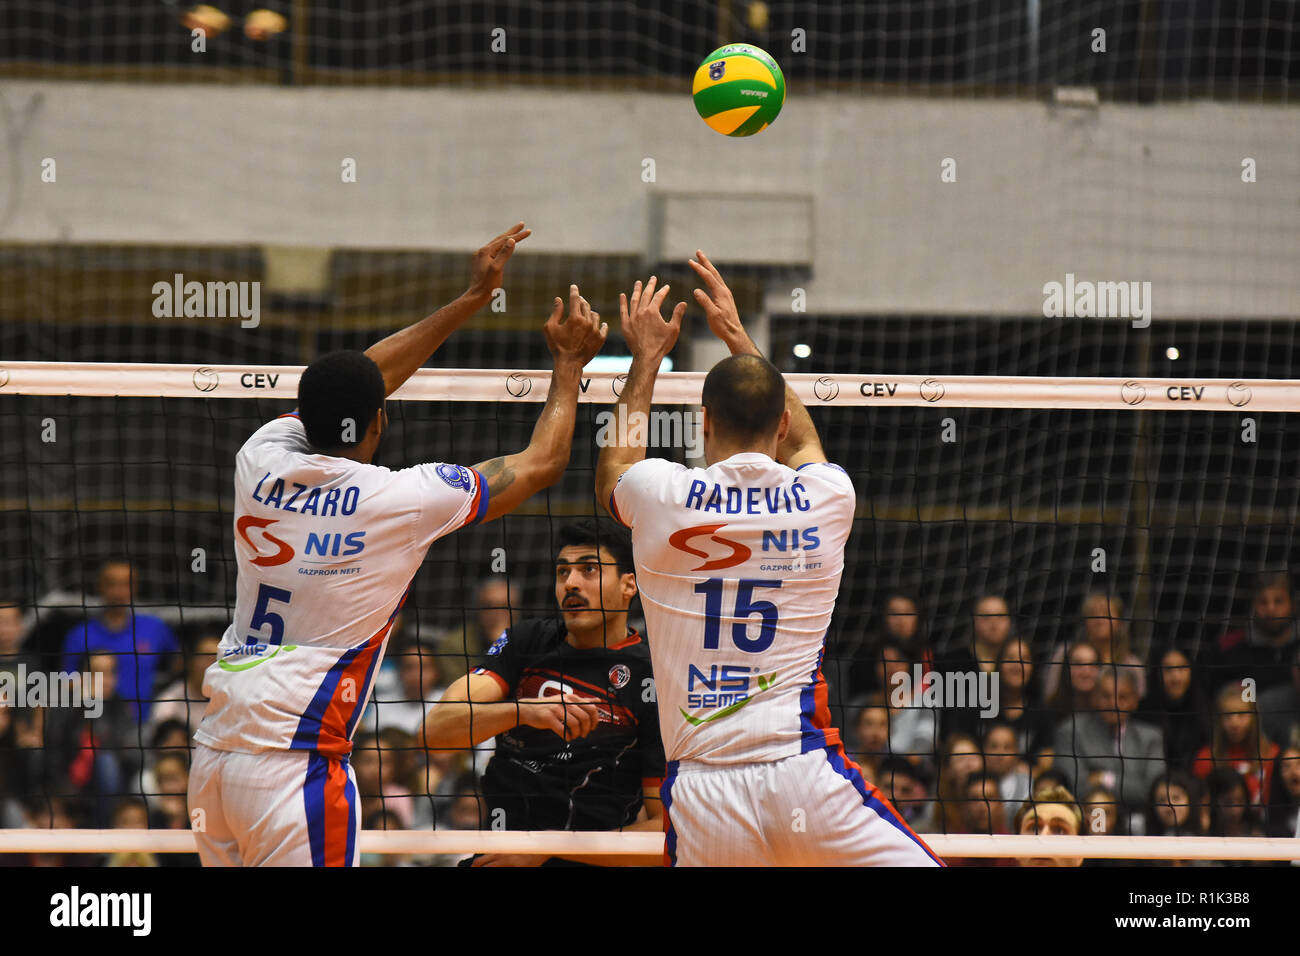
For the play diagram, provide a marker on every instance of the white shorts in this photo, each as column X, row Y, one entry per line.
column 282, row 808
column 814, row 809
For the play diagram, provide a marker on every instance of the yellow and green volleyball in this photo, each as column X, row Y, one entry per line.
column 739, row 90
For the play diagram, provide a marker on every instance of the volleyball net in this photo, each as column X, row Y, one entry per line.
column 1013, row 536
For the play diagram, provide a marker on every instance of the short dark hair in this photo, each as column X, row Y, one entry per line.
column 166, row 727
column 988, row 726
column 1267, row 580
column 602, row 534
column 335, row 388
column 745, row 396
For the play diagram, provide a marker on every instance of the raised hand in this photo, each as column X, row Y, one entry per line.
column 581, row 335
column 718, row 303
column 647, row 334
column 487, row 268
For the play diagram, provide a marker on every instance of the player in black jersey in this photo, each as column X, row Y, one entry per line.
column 571, row 701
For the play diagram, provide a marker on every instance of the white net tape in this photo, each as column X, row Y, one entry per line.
column 671, row 388
column 651, row 845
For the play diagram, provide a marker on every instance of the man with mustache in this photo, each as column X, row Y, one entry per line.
column 571, row 701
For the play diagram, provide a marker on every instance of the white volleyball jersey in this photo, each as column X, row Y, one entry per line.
column 326, row 549
column 738, row 566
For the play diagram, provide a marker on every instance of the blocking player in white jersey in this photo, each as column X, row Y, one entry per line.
column 327, row 543
column 739, row 566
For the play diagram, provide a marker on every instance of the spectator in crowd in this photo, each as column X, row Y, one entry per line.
column 1047, row 779
column 22, row 729
column 94, row 757
column 1279, row 706
column 913, row 727
column 1079, row 689
column 409, row 769
column 1052, row 811
column 906, row 788
column 1103, row 625
column 960, row 757
column 421, row 685
column 1129, row 753
column 975, row 650
column 980, row 644
column 1101, row 814
column 1001, row 750
column 498, row 603
column 377, row 783
column 1177, row 806
column 1284, row 803
column 139, row 642
column 1018, row 701
column 1004, row 762
column 851, row 668
column 981, row 808
column 871, row 735
column 981, row 811
column 168, row 803
column 57, row 812
column 183, row 699
column 1239, row 743
column 19, row 762
column 1017, row 785
column 131, row 813
column 168, row 737
column 1264, row 649
column 466, row 809
column 1176, row 704
column 1231, row 812
column 463, row 812
column 12, row 633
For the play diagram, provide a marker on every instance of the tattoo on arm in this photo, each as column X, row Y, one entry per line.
column 499, row 475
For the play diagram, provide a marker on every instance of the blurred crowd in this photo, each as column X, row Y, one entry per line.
column 1185, row 740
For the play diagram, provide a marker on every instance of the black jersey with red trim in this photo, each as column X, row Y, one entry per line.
column 541, row 782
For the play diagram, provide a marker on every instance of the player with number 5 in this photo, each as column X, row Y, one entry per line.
column 327, row 543
column 739, row 565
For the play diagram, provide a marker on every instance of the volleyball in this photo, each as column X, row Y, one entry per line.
column 739, row 90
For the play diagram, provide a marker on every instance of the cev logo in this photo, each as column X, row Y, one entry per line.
column 681, row 541
column 281, row 556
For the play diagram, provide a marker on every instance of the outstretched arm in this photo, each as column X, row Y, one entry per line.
column 473, row 709
column 401, row 354
column 801, row 445
column 512, row 479
column 650, row 339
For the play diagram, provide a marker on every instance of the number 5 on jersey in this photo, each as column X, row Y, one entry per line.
column 263, row 615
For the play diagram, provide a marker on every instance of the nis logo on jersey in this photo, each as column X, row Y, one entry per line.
column 798, row 541
column 271, row 550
